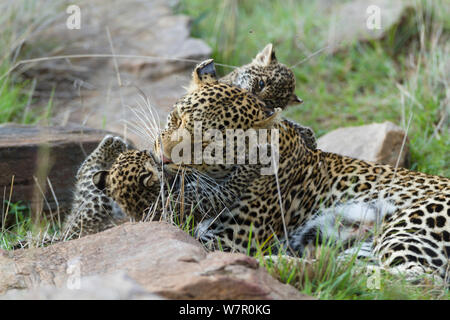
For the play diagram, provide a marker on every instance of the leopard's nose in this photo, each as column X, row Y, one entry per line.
column 166, row 160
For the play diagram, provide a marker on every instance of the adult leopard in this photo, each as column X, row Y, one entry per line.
column 414, row 239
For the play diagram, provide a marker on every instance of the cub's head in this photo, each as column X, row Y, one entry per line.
column 270, row 80
column 211, row 111
column 133, row 182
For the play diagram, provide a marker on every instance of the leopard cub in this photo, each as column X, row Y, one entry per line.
column 134, row 182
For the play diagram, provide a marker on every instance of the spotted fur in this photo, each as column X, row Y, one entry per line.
column 265, row 77
column 91, row 210
column 272, row 82
column 415, row 237
column 134, row 182
column 278, row 90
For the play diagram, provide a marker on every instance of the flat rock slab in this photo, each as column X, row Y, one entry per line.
column 159, row 257
column 36, row 160
column 376, row 142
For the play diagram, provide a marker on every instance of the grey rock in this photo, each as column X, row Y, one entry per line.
column 155, row 56
column 376, row 142
column 349, row 21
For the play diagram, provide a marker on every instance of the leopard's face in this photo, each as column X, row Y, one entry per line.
column 274, row 84
column 133, row 181
column 265, row 77
column 210, row 107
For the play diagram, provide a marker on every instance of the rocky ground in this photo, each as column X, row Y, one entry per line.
column 153, row 260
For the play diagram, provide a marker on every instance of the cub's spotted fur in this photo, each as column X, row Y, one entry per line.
column 92, row 211
column 272, row 82
column 265, row 77
column 134, row 182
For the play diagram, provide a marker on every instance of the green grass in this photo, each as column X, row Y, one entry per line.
column 323, row 276
column 20, row 214
column 12, row 101
column 21, row 22
column 19, row 229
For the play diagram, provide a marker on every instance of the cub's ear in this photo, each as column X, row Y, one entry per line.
column 266, row 56
column 147, row 179
column 203, row 73
column 293, row 99
column 99, row 179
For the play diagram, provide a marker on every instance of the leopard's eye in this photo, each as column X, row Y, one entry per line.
column 261, row 84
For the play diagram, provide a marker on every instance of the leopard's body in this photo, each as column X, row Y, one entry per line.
column 415, row 238
column 277, row 91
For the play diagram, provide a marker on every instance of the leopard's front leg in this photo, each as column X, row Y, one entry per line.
column 214, row 212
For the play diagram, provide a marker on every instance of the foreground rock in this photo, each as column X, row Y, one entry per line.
column 41, row 162
column 110, row 287
column 161, row 258
column 377, row 142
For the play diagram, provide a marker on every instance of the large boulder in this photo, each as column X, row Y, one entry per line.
column 377, row 142
column 159, row 257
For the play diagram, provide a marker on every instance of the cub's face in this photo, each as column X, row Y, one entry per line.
column 133, row 182
column 270, row 80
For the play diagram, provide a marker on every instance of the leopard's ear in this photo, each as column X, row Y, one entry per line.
column 99, row 179
column 146, row 179
column 203, row 73
column 270, row 121
column 266, row 56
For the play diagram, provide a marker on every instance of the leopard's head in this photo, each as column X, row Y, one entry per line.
column 133, row 181
column 270, row 80
column 211, row 111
